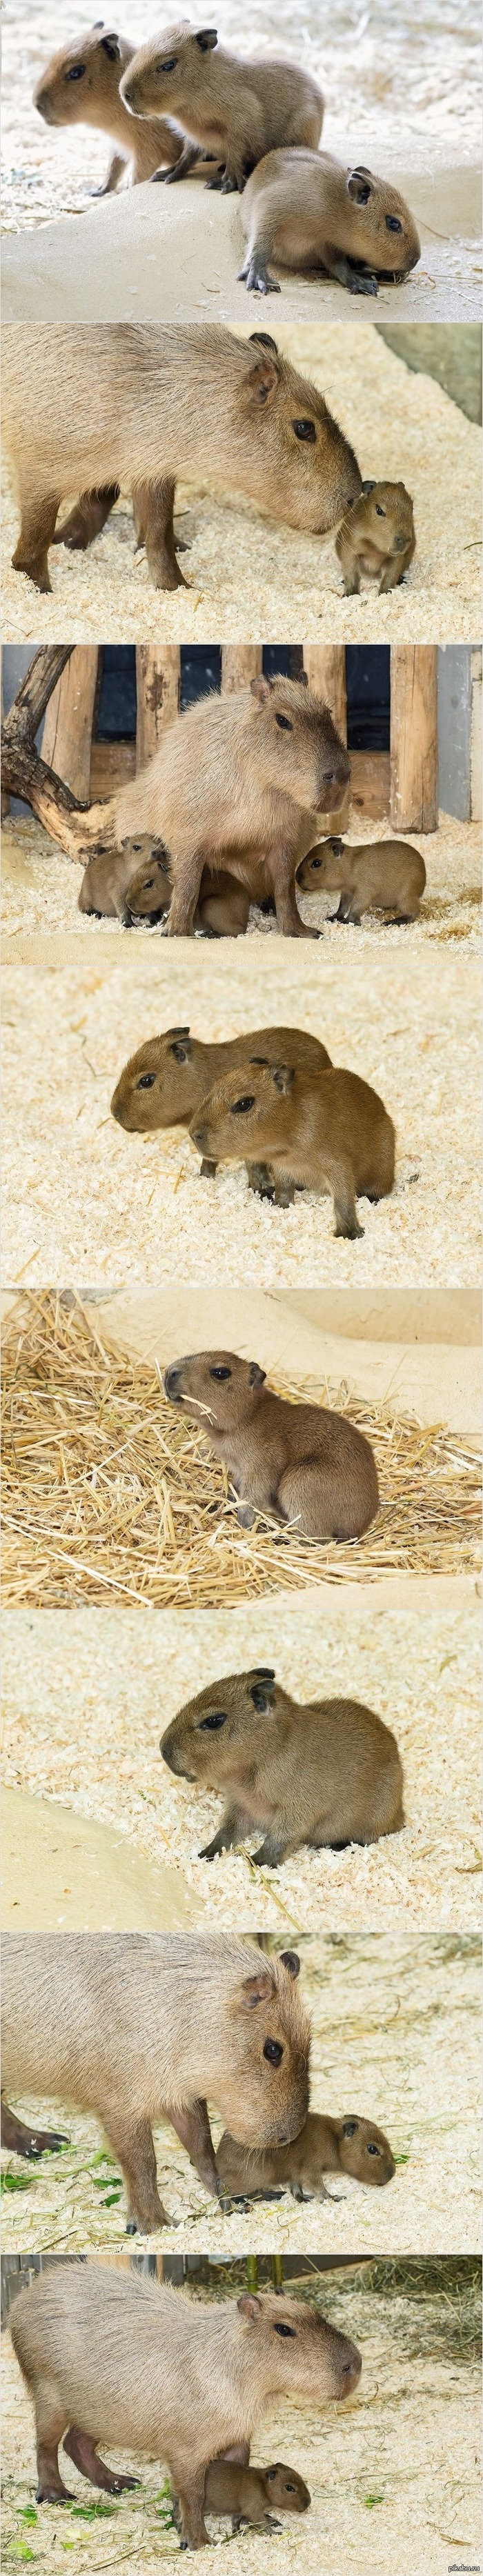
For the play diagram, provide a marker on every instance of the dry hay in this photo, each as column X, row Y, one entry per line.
column 107, row 1492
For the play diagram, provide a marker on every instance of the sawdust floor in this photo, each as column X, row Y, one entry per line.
column 40, row 894
column 85, row 1201
column 86, row 1701
column 250, row 575
column 393, row 2473
column 395, row 2035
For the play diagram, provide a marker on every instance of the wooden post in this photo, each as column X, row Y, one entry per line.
column 325, row 667
column 67, row 736
column 24, row 773
column 414, row 738
column 158, row 682
column 240, row 663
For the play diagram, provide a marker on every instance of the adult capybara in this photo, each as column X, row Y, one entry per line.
column 80, row 86
column 120, row 406
column 110, row 890
column 325, row 2146
column 322, row 1772
column 311, row 1132
column 294, row 1462
column 232, row 785
column 164, row 1083
column 377, row 537
column 304, row 210
column 249, row 2494
column 108, row 2357
column 230, row 110
column 373, row 876
column 138, row 2027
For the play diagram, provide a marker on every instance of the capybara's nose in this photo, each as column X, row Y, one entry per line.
column 42, row 103
column 116, row 1107
column 172, row 1381
column 399, row 543
column 351, row 2371
column 199, row 1135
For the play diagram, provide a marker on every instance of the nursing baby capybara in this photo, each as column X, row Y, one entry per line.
column 325, row 2146
column 294, row 1462
column 164, row 1083
column 227, row 109
column 373, row 876
column 304, row 210
column 322, row 1772
column 111, row 891
column 80, row 86
column 330, row 1131
column 248, row 2494
column 108, row 2357
column 109, row 407
column 377, row 537
column 138, row 2027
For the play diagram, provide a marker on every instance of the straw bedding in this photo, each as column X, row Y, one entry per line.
column 396, row 2035
column 108, row 1493
column 86, row 1701
column 83, row 1200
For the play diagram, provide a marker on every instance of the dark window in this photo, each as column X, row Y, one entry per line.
column 116, row 710
column 283, row 660
column 368, row 683
column 200, row 672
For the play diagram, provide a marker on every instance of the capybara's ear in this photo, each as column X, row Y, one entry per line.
column 249, row 2307
column 178, row 1033
column 257, row 1989
column 264, row 375
column 262, row 1694
column 338, row 848
column 349, row 2128
column 303, row 679
column 265, row 340
column 110, row 45
column 360, row 184
column 282, row 1076
column 260, row 689
column 262, row 1673
column 371, row 486
column 291, row 1961
column 206, row 38
column 256, row 1375
column 181, row 1047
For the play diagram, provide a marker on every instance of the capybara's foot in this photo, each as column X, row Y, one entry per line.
column 31, row 2143
column 257, row 278
column 34, row 571
column 363, row 284
column 54, row 2495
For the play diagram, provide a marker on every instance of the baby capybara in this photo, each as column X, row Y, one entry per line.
column 373, row 876
column 226, row 108
column 332, row 1132
column 349, row 2145
column 326, row 1773
column 306, row 211
column 249, row 2493
column 377, row 537
column 294, row 1462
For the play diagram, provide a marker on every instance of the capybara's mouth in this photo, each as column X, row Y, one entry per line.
column 45, row 110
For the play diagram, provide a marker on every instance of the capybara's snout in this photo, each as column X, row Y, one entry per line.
column 44, row 104
column 350, row 2369
column 173, row 1384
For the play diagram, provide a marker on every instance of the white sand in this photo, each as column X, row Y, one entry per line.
column 85, row 1202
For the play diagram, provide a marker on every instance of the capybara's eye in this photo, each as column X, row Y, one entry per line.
column 136, row 845
column 305, row 429
column 147, row 886
column 239, row 1107
column 273, row 2051
column 170, row 65
column 220, row 1372
column 76, row 72
column 283, row 721
column 146, row 1082
column 210, row 1723
column 392, row 224
column 285, row 2330
column 288, row 2489
column 371, row 2150
column 316, row 863
column 380, row 514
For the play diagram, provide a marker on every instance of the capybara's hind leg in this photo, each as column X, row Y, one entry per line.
column 133, row 2143
column 153, row 510
column 83, row 2452
column 32, row 2143
column 340, row 1180
column 86, row 519
column 36, row 533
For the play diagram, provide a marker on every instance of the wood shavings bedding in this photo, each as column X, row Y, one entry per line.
column 85, row 1703
column 395, row 2034
column 248, row 574
column 83, row 1200
column 40, row 890
column 394, row 2472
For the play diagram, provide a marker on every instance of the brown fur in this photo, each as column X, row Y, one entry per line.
column 110, row 889
column 373, row 876
column 101, row 57
column 137, row 2027
column 112, row 406
column 293, row 1462
column 329, row 1130
column 123, row 2361
column 304, row 210
column 349, row 2145
column 249, row 2494
column 164, row 1084
column 233, row 110
column 325, row 1773
column 377, row 537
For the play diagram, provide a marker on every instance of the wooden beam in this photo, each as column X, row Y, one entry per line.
column 370, row 787
column 240, row 663
column 67, row 735
column 112, row 764
column 24, row 773
column 325, row 667
column 414, row 738
column 158, row 684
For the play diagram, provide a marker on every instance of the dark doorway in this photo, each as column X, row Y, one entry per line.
column 368, row 684
column 200, row 672
column 116, row 708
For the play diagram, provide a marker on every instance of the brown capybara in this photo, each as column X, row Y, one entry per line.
column 248, row 2494
column 311, row 1132
column 121, row 406
column 138, row 2027
column 373, row 876
column 293, row 1462
column 110, row 2357
column 164, row 1083
column 326, row 1772
column 229, row 110
column 377, row 537
column 350, row 2146
column 304, row 210
column 111, row 890
column 80, row 86
column 232, row 784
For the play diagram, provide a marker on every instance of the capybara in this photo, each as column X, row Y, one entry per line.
column 80, row 86
column 377, row 537
column 108, row 2357
column 323, row 1772
column 350, row 2146
column 164, row 1084
column 373, row 876
column 229, row 110
column 138, row 2027
column 248, row 2494
column 304, row 210
column 111, row 890
column 294, row 1462
column 121, row 406
column 232, row 784
column 329, row 1130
